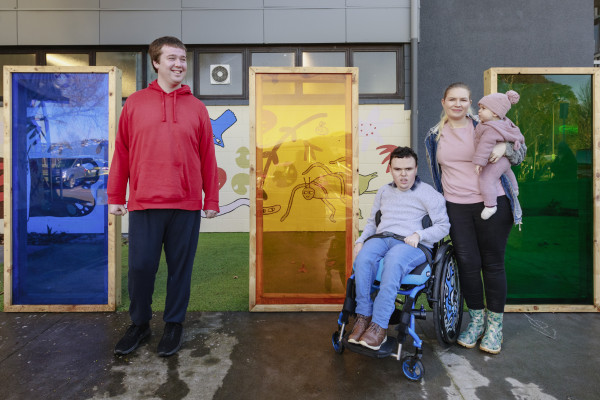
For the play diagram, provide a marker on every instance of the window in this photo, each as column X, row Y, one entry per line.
column 130, row 64
column 378, row 72
column 323, row 59
column 67, row 60
column 14, row 59
column 273, row 59
column 221, row 74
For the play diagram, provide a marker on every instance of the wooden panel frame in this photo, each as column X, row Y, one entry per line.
column 490, row 84
column 114, row 223
column 253, row 179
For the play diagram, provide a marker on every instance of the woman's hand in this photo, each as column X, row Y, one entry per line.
column 498, row 152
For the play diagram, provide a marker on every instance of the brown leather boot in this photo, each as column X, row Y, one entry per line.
column 360, row 326
column 373, row 337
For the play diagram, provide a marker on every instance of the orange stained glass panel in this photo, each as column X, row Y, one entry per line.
column 304, row 187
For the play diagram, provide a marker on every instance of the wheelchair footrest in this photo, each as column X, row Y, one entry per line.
column 390, row 346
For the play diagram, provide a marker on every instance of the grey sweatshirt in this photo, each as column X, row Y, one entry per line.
column 402, row 213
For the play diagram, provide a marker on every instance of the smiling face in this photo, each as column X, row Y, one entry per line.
column 171, row 67
column 456, row 103
column 404, row 172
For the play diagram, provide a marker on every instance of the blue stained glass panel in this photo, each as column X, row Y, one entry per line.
column 59, row 175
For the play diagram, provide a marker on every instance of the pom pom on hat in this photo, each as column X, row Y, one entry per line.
column 513, row 97
column 499, row 103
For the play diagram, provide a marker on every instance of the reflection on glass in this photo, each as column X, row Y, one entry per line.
column 550, row 260
column 273, row 59
column 130, row 64
column 59, row 173
column 304, row 174
column 14, row 59
column 189, row 78
column 67, row 60
column 323, row 59
column 229, row 82
column 378, row 71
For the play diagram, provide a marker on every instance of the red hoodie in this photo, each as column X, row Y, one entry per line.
column 165, row 149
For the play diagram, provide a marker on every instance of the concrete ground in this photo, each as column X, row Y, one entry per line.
column 241, row 355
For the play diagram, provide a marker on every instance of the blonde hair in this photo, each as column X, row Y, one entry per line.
column 443, row 116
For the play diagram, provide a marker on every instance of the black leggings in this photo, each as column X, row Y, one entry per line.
column 479, row 246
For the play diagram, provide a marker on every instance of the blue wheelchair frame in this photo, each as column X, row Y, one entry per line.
column 438, row 279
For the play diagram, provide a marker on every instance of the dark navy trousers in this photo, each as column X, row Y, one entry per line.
column 149, row 231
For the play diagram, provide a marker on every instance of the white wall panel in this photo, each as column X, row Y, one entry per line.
column 8, row 4
column 223, row 26
column 378, row 25
column 305, row 25
column 138, row 27
column 305, row 4
column 140, row 4
column 58, row 4
column 8, row 28
column 223, row 4
column 58, row 27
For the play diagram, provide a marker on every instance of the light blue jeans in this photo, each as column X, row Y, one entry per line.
column 398, row 260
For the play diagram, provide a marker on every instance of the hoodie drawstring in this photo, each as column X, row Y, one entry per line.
column 174, row 106
column 164, row 107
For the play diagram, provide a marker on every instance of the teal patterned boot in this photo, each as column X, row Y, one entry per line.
column 469, row 337
column 492, row 340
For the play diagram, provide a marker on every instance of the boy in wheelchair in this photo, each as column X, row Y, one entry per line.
column 400, row 240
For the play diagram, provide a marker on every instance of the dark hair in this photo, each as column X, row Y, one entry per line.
column 155, row 49
column 403, row 152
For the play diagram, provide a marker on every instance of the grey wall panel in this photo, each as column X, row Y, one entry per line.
column 8, row 4
column 138, row 27
column 305, row 26
column 459, row 45
column 8, row 28
column 378, row 25
column 140, row 4
column 378, row 3
column 58, row 4
column 222, row 26
column 223, row 4
column 305, row 4
column 58, row 27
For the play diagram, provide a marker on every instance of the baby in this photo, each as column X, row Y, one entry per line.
column 494, row 128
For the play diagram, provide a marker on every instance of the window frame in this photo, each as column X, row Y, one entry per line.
column 399, row 96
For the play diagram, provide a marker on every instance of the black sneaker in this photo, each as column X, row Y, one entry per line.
column 134, row 336
column 171, row 340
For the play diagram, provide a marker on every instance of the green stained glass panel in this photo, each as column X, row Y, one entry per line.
column 549, row 261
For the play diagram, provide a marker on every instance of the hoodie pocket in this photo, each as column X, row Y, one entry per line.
column 161, row 181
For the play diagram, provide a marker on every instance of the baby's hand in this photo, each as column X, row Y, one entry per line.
column 477, row 169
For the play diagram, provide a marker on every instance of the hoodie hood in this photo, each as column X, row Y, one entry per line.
column 184, row 90
column 508, row 130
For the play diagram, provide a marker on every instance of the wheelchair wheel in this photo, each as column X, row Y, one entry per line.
column 447, row 311
column 338, row 346
column 413, row 368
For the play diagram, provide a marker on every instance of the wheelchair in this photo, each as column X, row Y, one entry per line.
column 437, row 279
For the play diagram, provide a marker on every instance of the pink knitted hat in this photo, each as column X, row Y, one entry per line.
column 499, row 103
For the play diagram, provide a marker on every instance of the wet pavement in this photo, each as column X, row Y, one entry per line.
column 241, row 355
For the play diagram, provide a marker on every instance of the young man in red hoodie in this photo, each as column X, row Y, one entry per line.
column 164, row 150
